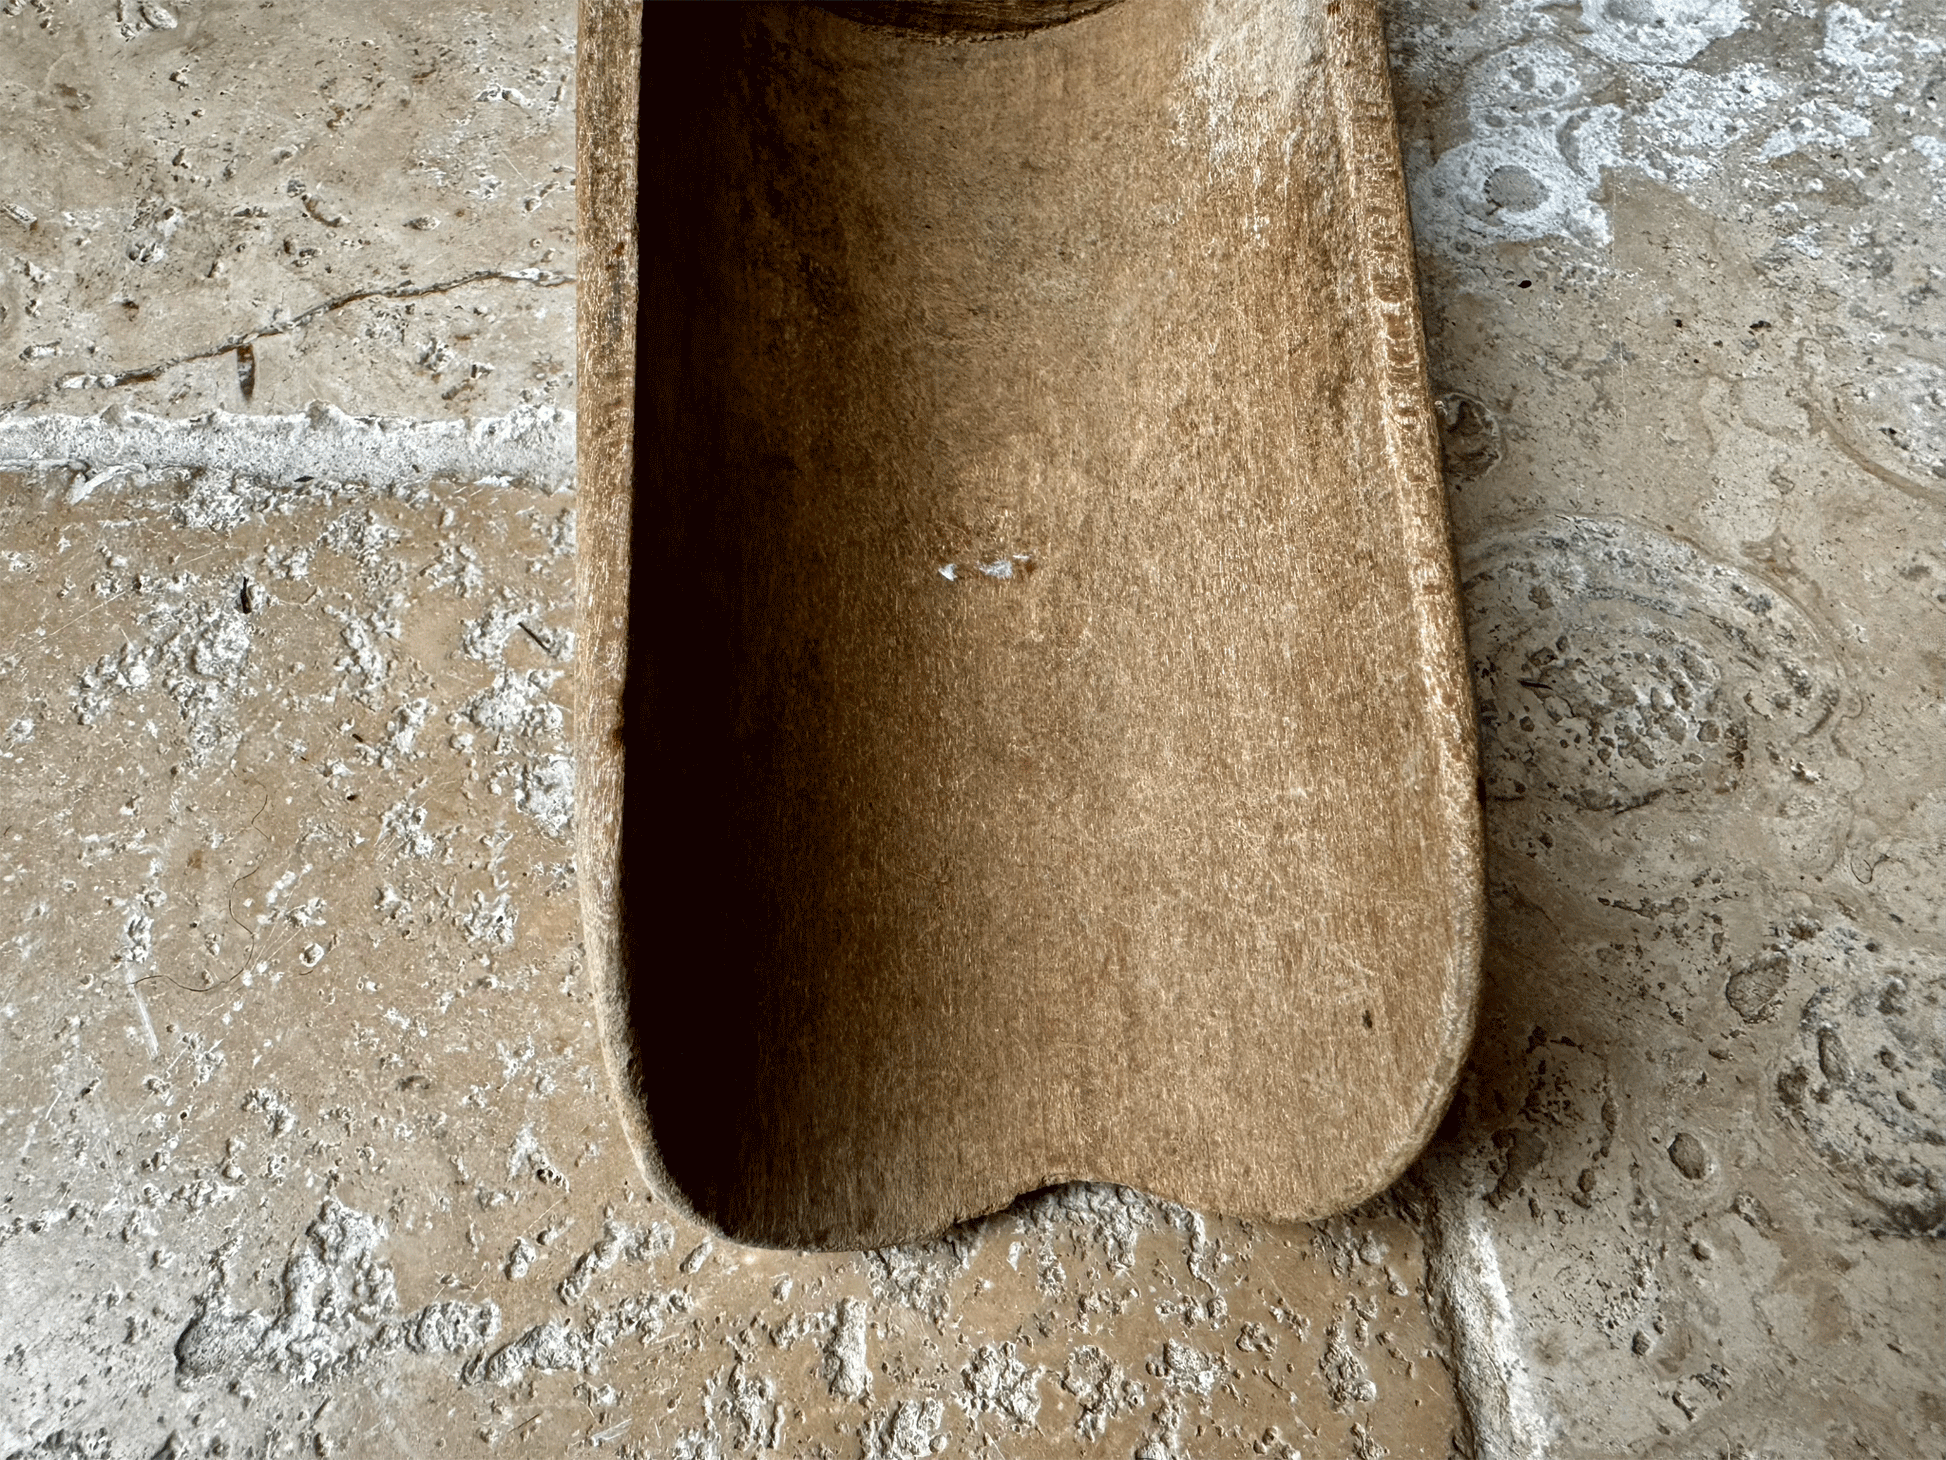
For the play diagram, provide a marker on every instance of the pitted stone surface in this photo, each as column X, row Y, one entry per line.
column 1677, row 290
column 309, row 1148
column 312, row 1137
column 247, row 207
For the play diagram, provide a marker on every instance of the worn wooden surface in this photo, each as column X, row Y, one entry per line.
column 608, row 86
column 1047, row 742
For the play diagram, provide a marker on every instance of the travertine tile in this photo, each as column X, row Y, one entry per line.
column 1677, row 287
column 314, row 1142
column 310, row 1147
column 375, row 201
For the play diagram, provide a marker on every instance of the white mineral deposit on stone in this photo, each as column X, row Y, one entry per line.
column 1186, row 1368
column 517, row 704
column 997, row 1382
column 693, row 1260
column 1541, row 140
column 546, row 793
column 617, row 1242
column 320, row 444
column 487, row 638
column 909, row 1430
column 845, row 1365
column 920, row 1275
column 754, row 1418
column 339, row 1310
column 549, row 1348
column 365, row 663
column 1102, row 1391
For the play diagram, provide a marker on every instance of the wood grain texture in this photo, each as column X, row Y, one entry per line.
column 965, row 19
column 1047, row 736
column 607, row 107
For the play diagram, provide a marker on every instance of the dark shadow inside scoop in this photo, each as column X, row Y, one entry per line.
column 763, row 991
column 690, row 928
column 966, row 19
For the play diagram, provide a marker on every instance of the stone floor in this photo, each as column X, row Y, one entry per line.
column 309, row 1148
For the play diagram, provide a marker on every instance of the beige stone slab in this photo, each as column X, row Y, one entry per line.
column 1699, row 490
column 309, row 1142
column 375, row 201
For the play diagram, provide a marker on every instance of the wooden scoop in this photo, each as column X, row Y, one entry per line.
column 1024, row 725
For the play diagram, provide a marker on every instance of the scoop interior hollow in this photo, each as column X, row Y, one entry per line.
column 1046, row 744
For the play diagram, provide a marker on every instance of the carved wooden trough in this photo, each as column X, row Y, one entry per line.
column 1024, row 729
